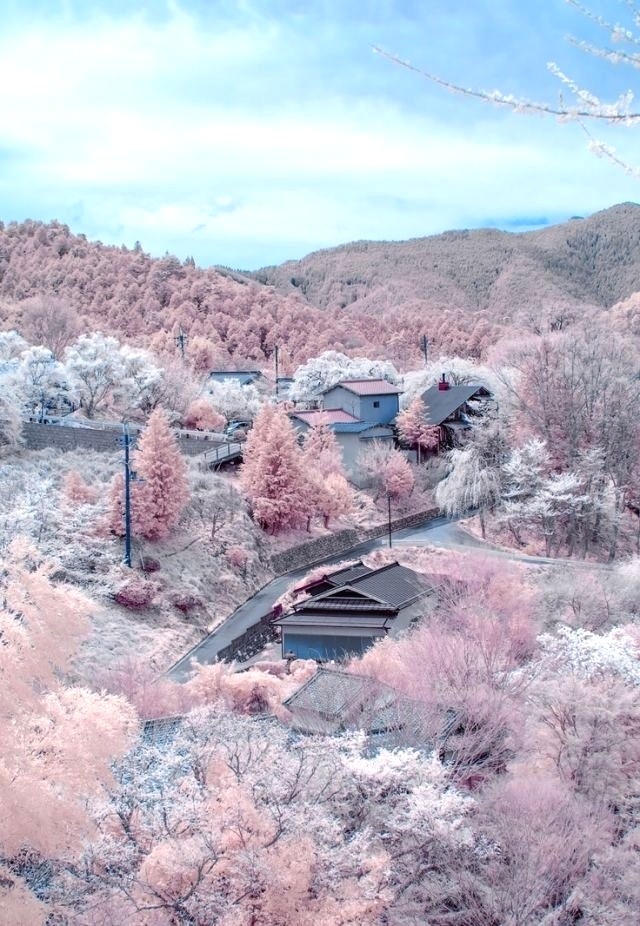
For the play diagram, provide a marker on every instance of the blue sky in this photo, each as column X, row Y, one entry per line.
column 249, row 132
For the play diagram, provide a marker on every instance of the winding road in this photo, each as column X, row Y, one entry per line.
column 439, row 532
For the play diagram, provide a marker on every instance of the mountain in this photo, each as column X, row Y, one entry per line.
column 465, row 290
column 593, row 261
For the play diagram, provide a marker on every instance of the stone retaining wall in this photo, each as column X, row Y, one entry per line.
column 398, row 524
column 307, row 553
column 105, row 440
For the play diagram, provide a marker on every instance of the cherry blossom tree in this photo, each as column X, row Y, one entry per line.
column 587, row 108
column 324, row 371
column 388, row 470
column 10, row 414
column 11, row 345
column 41, row 380
column 57, row 742
column 51, row 323
column 322, row 451
column 273, row 472
column 202, row 416
column 469, row 486
column 94, row 364
column 232, row 400
column 414, row 430
column 229, row 821
column 331, row 496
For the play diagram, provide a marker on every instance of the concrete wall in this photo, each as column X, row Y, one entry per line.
column 107, row 440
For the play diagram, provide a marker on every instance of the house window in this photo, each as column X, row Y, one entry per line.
column 376, row 404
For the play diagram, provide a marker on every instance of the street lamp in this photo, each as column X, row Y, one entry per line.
column 389, row 510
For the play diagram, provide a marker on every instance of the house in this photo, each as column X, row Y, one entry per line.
column 357, row 411
column 351, row 609
column 452, row 408
column 333, row 701
column 373, row 400
column 242, row 377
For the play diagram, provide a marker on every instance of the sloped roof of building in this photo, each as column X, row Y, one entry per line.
column 395, row 584
column 329, row 416
column 335, row 694
column 343, row 576
column 359, row 427
column 244, row 377
column 367, row 386
column 443, row 403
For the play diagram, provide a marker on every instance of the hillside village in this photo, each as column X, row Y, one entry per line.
column 354, row 631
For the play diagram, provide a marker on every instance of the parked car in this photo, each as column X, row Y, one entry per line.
column 237, row 428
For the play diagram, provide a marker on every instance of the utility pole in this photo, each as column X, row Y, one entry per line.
column 389, row 507
column 181, row 340
column 126, row 440
column 424, row 347
column 275, row 354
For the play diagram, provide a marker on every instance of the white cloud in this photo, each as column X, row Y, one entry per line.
column 160, row 131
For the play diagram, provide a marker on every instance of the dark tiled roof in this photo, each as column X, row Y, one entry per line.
column 344, row 576
column 335, row 694
column 244, row 377
column 353, row 620
column 343, row 604
column 394, row 584
column 443, row 403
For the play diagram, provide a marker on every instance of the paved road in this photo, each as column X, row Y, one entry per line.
column 441, row 532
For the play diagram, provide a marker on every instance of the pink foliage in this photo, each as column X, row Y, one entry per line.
column 413, row 428
column 76, row 491
column 135, row 593
column 57, row 742
column 202, row 416
column 237, row 557
column 164, row 493
column 273, row 472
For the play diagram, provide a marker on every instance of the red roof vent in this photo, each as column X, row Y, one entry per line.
column 443, row 385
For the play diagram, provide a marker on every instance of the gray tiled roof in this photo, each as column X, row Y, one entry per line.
column 335, row 694
column 344, row 576
column 443, row 403
column 343, row 604
column 394, row 584
column 244, row 377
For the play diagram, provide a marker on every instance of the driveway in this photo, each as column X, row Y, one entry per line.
column 441, row 532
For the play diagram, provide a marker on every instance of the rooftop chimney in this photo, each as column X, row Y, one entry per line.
column 443, row 385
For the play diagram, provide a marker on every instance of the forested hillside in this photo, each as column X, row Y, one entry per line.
column 584, row 262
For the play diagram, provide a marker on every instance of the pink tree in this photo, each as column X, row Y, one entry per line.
column 328, row 497
column 76, row 490
column 273, row 473
column 202, row 416
column 162, row 497
column 57, row 742
column 322, row 451
column 388, row 470
column 414, row 430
